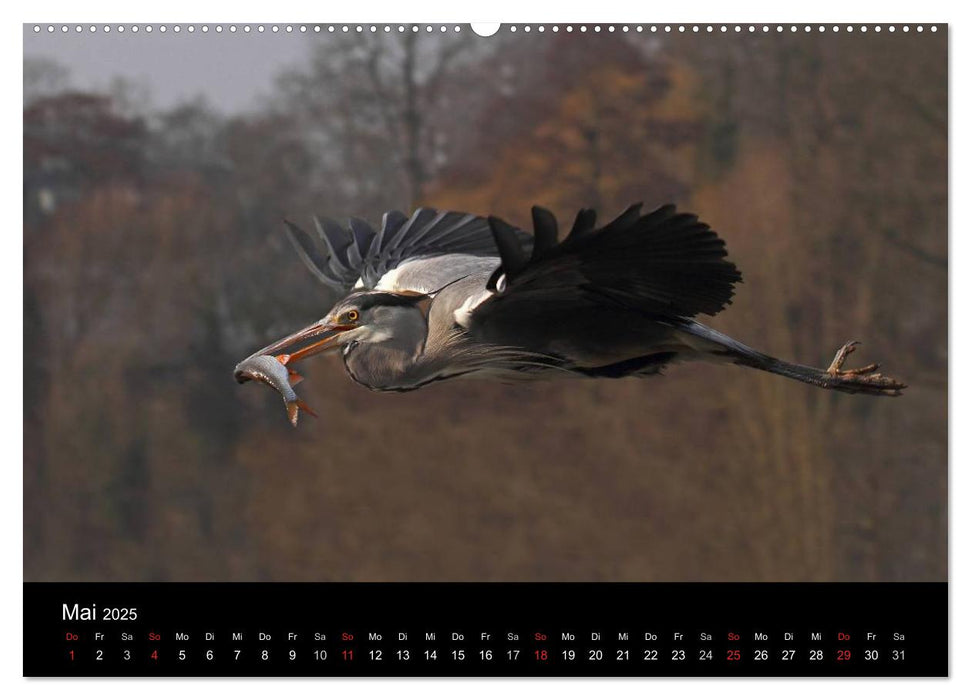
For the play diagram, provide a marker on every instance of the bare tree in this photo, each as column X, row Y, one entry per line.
column 43, row 77
column 379, row 108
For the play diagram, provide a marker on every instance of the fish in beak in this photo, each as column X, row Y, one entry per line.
column 273, row 371
column 276, row 370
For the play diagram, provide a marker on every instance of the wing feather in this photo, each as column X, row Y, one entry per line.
column 359, row 256
column 663, row 263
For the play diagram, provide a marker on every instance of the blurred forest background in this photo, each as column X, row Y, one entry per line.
column 154, row 260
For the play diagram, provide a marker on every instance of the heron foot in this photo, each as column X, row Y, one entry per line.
column 864, row 380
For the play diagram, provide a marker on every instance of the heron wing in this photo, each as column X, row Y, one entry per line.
column 427, row 275
column 663, row 265
column 360, row 256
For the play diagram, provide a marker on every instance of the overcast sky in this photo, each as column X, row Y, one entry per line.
column 230, row 69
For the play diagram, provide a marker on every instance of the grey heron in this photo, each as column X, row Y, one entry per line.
column 441, row 294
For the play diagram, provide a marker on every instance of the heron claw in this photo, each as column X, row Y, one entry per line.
column 836, row 366
column 862, row 379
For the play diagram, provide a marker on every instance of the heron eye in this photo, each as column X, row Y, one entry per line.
column 353, row 315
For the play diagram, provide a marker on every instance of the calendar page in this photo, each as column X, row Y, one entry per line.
column 555, row 349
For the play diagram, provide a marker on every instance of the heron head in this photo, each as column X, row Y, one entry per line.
column 360, row 318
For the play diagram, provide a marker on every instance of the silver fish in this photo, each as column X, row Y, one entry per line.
column 273, row 370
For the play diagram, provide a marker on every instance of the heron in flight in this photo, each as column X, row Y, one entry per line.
column 441, row 295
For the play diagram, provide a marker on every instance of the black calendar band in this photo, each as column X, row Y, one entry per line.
column 485, row 629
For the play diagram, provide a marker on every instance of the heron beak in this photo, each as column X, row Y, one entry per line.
column 331, row 332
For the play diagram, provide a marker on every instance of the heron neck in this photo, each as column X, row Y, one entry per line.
column 389, row 366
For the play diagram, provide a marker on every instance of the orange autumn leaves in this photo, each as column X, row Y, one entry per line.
column 612, row 137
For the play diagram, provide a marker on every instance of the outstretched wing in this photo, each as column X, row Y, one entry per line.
column 422, row 253
column 664, row 264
